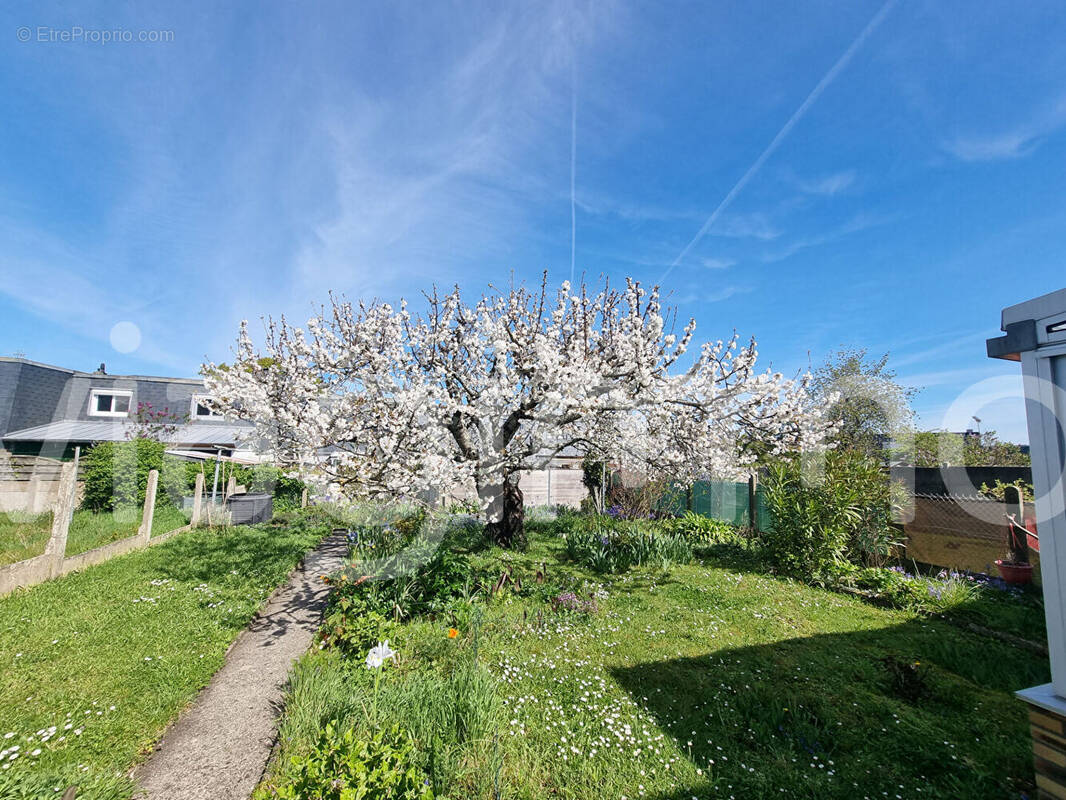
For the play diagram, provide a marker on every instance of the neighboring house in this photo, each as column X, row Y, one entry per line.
column 47, row 411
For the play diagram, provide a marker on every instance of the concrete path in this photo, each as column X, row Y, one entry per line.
column 218, row 748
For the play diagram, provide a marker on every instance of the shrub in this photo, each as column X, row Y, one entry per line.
column 815, row 524
column 906, row 680
column 353, row 627
column 398, row 592
column 343, row 766
column 698, row 529
column 116, row 474
column 639, row 502
column 569, row 602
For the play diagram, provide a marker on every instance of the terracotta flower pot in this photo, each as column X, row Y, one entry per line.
column 1015, row 574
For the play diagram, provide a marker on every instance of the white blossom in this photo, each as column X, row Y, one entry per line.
column 406, row 405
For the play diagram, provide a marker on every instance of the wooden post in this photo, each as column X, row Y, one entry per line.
column 753, row 504
column 303, row 499
column 149, row 506
column 603, row 485
column 231, row 488
column 197, row 500
column 64, row 511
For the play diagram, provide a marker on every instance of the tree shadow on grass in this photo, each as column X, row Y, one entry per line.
column 209, row 557
column 848, row 715
column 204, row 556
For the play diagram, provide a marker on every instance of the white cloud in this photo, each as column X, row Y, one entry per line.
column 744, row 226
column 1015, row 142
column 859, row 222
column 710, row 296
column 828, row 185
column 717, row 263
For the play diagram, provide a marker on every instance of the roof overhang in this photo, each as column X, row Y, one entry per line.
column 228, row 436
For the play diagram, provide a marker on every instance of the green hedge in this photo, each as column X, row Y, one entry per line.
column 116, row 474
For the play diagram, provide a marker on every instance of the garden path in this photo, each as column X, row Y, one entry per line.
column 218, row 748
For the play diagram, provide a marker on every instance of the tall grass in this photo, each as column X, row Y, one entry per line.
column 23, row 535
column 616, row 550
column 452, row 713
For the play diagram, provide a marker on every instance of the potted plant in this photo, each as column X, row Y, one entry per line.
column 1015, row 569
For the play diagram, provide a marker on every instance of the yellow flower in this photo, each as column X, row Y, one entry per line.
column 453, row 632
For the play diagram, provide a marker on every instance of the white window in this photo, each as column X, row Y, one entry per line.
column 201, row 409
column 109, row 403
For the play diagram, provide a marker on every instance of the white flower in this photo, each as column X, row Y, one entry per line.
column 379, row 655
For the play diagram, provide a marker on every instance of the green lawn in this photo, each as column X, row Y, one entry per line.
column 97, row 663
column 26, row 535
column 703, row 680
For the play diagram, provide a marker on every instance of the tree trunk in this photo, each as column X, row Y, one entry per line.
column 506, row 515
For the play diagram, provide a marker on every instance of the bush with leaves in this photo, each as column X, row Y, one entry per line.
column 815, row 523
column 345, row 766
column 352, row 625
column 698, row 529
column 116, row 475
column 399, row 592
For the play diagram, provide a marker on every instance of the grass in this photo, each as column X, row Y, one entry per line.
column 708, row 680
column 24, row 535
column 97, row 663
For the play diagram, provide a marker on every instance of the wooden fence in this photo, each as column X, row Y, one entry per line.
column 54, row 562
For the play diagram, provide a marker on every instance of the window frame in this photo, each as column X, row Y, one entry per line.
column 97, row 392
column 196, row 403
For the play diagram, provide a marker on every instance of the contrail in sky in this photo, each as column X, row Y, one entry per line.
column 573, row 161
column 797, row 115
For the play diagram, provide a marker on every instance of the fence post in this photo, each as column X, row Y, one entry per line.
column 753, row 502
column 1017, row 538
column 197, row 500
column 149, row 506
column 64, row 510
column 303, row 499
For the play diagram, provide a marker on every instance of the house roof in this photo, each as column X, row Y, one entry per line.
column 103, row 375
column 117, row 431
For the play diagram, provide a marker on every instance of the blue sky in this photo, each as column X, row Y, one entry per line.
column 816, row 174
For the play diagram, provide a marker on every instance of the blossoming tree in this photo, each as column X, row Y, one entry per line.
column 387, row 402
